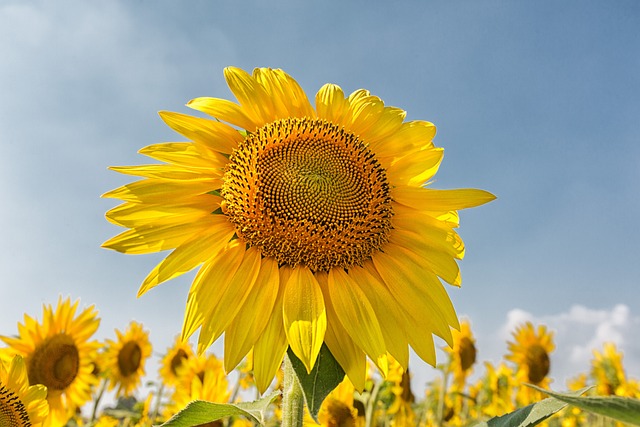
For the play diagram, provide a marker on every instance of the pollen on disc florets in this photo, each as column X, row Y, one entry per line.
column 12, row 410
column 308, row 192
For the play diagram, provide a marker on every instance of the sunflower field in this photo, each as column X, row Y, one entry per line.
column 322, row 251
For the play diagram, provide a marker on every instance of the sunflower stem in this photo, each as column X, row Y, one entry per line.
column 292, row 397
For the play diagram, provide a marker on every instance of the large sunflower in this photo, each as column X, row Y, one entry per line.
column 309, row 225
column 21, row 405
column 125, row 358
column 59, row 355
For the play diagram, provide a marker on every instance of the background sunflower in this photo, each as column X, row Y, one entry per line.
column 125, row 358
column 58, row 354
column 21, row 404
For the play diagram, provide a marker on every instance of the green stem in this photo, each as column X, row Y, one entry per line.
column 371, row 404
column 94, row 412
column 292, row 397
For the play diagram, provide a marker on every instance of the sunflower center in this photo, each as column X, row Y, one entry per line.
column 177, row 360
column 12, row 411
column 339, row 414
column 467, row 353
column 55, row 363
column 538, row 363
column 308, row 192
column 129, row 358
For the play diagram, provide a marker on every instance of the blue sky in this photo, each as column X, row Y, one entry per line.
column 537, row 102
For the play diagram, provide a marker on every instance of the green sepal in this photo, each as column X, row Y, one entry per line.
column 624, row 409
column 323, row 378
column 203, row 412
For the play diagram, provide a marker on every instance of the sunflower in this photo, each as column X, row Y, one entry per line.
column 496, row 390
column 59, row 355
column 462, row 354
column 175, row 357
column 21, row 405
column 607, row 370
column 199, row 378
column 530, row 352
column 317, row 221
column 125, row 358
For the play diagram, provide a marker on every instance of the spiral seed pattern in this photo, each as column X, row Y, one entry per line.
column 308, row 192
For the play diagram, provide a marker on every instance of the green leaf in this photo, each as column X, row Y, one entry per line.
column 324, row 377
column 202, row 412
column 624, row 409
column 530, row 415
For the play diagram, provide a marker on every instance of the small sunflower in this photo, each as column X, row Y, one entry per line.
column 59, row 355
column 319, row 221
column 530, row 352
column 462, row 353
column 607, row 370
column 175, row 357
column 21, row 405
column 199, row 378
column 496, row 390
column 125, row 358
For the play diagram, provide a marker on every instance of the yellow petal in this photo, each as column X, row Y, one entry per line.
column 406, row 281
column 252, row 96
column 226, row 297
column 209, row 133
column 150, row 239
column 416, row 168
column 159, row 191
column 440, row 200
column 440, row 262
column 185, row 154
column 432, row 233
column 225, row 110
column 304, row 316
column 244, row 330
column 200, row 296
column 182, row 211
column 331, row 104
column 289, row 100
column 356, row 315
column 348, row 355
column 272, row 344
column 387, row 311
column 168, row 172
column 189, row 255
column 410, row 137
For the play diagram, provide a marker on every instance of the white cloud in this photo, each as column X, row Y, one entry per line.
column 578, row 332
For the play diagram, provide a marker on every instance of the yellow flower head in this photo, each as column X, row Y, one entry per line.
column 607, row 370
column 58, row 355
column 317, row 221
column 21, row 405
column 200, row 377
column 495, row 390
column 175, row 357
column 125, row 358
column 462, row 353
column 530, row 352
